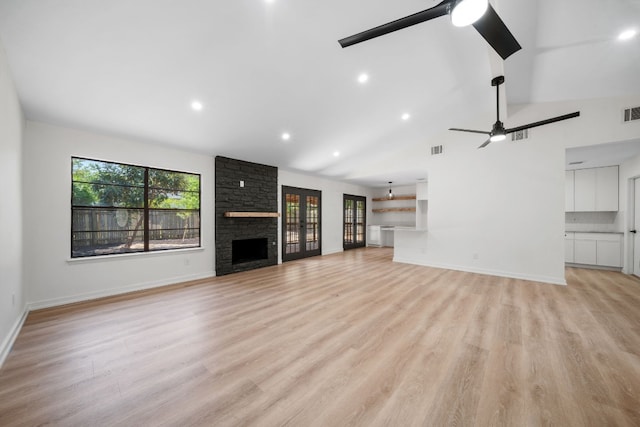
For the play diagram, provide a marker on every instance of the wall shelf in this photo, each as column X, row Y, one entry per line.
column 251, row 214
column 398, row 197
column 393, row 210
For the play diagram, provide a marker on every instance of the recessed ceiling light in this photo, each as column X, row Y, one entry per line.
column 406, row 116
column 336, row 153
column 197, row 105
column 363, row 78
column 627, row 34
column 286, row 136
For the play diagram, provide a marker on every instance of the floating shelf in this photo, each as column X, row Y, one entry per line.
column 251, row 214
column 394, row 210
column 399, row 197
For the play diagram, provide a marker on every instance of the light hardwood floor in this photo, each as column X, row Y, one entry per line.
column 345, row 339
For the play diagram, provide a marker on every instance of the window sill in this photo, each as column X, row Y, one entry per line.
column 102, row 258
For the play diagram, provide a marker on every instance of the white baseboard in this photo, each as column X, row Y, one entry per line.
column 498, row 273
column 7, row 344
column 54, row 302
column 332, row 251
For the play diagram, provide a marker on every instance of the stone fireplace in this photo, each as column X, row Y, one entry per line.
column 245, row 243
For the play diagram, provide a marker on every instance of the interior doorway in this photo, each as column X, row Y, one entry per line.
column 635, row 230
column 354, row 233
column 301, row 223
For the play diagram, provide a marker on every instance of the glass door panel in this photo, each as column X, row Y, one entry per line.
column 301, row 224
column 354, row 222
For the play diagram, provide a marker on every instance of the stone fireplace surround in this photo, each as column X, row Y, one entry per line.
column 259, row 194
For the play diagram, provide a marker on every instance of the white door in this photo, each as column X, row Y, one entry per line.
column 636, row 226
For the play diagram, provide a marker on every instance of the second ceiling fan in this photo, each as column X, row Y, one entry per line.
column 478, row 13
column 498, row 132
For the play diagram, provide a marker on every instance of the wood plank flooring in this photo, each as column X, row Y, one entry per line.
column 350, row 339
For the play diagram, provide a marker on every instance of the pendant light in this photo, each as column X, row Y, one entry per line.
column 390, row 196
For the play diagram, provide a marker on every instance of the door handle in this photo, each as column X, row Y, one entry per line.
column 632, row 231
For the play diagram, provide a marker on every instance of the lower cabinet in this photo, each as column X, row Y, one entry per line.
column 601, row 249
column 569, row 250
column 585, row 252
column 373, row 236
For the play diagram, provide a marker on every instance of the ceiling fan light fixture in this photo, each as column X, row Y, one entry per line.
column 498, row 133
column 498, row 137
column 466, row 12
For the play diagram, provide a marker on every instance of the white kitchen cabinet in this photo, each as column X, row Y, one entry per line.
column 584, row 249
column 373, row 236
column 422, row 191
column 594, row 190
column 568, row 247
column 598, row 249
column 609, row 250
column 584, row 190
column 607, row 189
column 569, row 180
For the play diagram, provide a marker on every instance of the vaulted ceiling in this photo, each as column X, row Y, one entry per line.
column 263, row 68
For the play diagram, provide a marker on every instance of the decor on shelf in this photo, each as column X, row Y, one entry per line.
column 390, row 196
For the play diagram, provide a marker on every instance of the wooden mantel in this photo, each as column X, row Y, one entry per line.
column 251, row 214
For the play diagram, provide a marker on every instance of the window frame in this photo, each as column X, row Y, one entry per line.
column 146, row 209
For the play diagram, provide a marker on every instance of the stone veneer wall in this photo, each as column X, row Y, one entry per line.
column 259, row 194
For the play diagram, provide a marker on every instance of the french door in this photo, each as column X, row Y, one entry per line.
column 301, row 223
column 355, row 222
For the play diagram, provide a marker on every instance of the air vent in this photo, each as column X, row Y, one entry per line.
column 520, row 135
column 631, row 114
column 436, row 149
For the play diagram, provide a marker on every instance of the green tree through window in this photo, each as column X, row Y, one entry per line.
column 118, row 208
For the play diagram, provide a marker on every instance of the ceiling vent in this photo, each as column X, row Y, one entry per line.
column 520, row 135
column 436, row 149
column 631, row 114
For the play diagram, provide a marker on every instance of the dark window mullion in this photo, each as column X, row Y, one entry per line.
column 146, row 210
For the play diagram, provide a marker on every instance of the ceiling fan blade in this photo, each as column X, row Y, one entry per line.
column 398, row 24
column 487, row 142
column 544, row 122
column 496, row 33
column 471, row 130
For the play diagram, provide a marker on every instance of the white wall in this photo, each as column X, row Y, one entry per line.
column 50, row 276
column 629, row 170
column 500, row 210
column 12, row 298
column 332, row 192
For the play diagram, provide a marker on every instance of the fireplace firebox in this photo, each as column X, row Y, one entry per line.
column 247, row 250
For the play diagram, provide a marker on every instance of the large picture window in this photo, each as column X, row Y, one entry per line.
column 118, row 208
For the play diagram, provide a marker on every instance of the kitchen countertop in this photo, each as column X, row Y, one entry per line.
column 598, row 232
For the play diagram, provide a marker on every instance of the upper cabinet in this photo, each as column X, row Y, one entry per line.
column 592, row 190
column 569, row 179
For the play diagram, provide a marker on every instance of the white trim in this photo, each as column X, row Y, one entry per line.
column 100, row 258
column 37, row 305
column 8, row 342
column 508, row 274
column 332, row 251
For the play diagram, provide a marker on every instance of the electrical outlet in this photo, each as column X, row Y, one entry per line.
column 241, row 184
column 476, row 256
